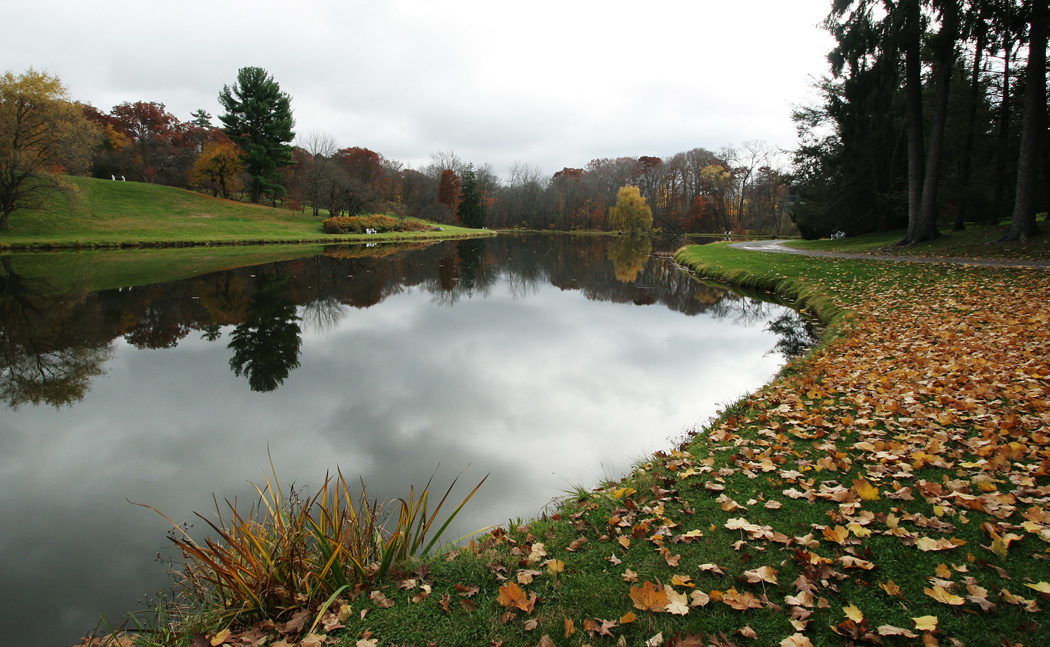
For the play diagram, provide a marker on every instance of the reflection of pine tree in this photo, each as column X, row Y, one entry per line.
column 266, row 346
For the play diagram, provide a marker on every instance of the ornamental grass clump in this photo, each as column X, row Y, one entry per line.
column 291, row 552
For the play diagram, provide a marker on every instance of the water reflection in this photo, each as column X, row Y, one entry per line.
column 527, row 357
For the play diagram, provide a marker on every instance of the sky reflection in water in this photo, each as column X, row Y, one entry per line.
column 543, row 388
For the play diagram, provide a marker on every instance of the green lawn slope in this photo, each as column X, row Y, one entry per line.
column 104, row 213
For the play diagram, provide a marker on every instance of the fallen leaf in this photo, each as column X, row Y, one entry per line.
column 761, row 574
column 648, row 598
column 796, row 640
column 925, row 623
column 943, row 596
column 677, row 603
column 853, row 613
column 740, row 601
column 890, row 630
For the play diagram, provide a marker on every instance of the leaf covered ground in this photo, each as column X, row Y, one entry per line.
column 892, row 488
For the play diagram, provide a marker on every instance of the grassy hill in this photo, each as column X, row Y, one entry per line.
column 98, row 212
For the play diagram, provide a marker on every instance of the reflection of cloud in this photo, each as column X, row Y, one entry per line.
column 543, row 389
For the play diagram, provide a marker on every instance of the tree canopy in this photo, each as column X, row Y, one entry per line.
column 631, row 213
column 43, row 134
column 258, row 118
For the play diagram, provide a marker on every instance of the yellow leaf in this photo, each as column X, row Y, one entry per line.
column 555, row 566
column 944, row 572
column 220, row 637
column 865, row 490
column 628, row 618
column 941, row 595
column 891, row 588
column 853, row 613
column 682, row 580
column 926, row 623
column 838, row 534
column 1042, row 587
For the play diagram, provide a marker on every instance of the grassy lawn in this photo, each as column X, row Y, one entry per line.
column 890, row 488
column 973, row 242
column 105, row 213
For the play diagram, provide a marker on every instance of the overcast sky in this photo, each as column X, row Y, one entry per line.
column 547, row 83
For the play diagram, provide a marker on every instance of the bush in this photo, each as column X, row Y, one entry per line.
column 376, row 223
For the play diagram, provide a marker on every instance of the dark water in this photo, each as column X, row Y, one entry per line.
column 547, row 363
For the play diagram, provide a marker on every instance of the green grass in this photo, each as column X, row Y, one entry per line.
column 973, row 242
column 105, row 213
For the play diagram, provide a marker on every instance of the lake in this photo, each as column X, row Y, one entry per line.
column 546, row 362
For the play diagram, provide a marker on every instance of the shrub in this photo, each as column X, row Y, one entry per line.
column 378, row 223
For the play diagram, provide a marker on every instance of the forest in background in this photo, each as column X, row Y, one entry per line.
column 933, row 115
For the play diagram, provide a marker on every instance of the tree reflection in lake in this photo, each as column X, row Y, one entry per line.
column 266, row 346
column 529, row 357
column 46, row 354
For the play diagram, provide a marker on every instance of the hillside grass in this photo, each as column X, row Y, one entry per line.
column 103, row 213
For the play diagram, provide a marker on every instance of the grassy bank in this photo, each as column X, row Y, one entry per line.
column 890, row 488
column 103, row 213
column 973, row 242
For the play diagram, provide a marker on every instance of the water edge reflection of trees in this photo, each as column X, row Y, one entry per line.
column 52, row 346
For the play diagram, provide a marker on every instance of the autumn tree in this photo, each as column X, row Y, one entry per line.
column 448, row 189
column 258, row 118
column 631, row 213
column 42, row 135
column 217, row 169
column 157, row 141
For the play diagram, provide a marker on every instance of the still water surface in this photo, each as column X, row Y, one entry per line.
column 546, row 363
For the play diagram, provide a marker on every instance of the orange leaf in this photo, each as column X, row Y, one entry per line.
column 741, row 601
column 648, row 598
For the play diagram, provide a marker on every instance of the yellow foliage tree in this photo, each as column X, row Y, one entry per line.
column 631, row 213
column 217, row 169
column 43, row 134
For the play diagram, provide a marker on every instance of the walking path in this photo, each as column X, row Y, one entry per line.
column 779, row 247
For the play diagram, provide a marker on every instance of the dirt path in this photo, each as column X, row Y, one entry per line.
column 779, row 247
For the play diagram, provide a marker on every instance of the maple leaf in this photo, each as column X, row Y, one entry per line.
column 511, row 596
column 1042, row 587
column 380, row 600
column 853, row 613
column 629, row 576
column 925, row 623
column 892, row 589
column 677, row 603
column 655, row 641
column 838, row 534
column 761, row 574
column 865, row 490
column 796, row 640
column 682, row 580
column 220, row 638
column 943, row 596
column 698, row 599
column 545, row 641
column 555, row 566
column 648, row 598
column 890, row 630
column 628, row 618
column 466, row 590
column 740, row 601
column 525, row 576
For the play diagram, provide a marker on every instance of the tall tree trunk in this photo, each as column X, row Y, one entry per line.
column 944, row 50
column 1022, row 224
column 971, row 126
column 1004, row 131
column 913, row 91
